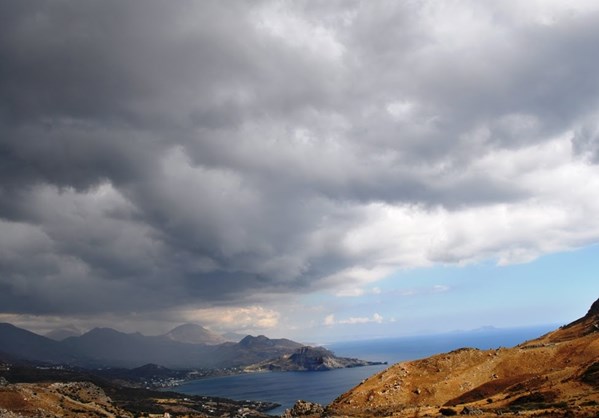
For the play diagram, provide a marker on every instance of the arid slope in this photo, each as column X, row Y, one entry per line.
column 75, row 399
column 554, row 375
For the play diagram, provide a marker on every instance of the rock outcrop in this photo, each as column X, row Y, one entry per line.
column 304, row 409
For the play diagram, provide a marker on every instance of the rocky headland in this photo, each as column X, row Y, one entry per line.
column 309, row 359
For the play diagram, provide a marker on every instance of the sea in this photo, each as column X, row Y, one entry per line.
column 285, row 388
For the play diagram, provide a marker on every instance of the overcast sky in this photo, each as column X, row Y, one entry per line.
column 302, row 168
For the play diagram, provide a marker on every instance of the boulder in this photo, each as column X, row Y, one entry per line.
column 304, row 409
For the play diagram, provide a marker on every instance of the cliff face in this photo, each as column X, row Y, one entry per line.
column 554, row 375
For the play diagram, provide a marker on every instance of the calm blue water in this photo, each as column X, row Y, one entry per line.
column 282, row 387
column 323, row 387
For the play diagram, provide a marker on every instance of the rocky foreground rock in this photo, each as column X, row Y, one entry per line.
column 304, row 409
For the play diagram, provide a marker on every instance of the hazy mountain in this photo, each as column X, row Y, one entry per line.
column 264, row 343
column 22, row 344
column 234, row 337
column 252, row 350
column 63, row 333
column 194, row 334
column 106, row 347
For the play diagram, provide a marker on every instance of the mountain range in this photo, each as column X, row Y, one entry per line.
column 187, row 346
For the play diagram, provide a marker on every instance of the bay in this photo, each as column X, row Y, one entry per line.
column 282, row 387
column 323, row 387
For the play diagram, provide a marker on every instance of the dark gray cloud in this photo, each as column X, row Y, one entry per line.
column 155, row 154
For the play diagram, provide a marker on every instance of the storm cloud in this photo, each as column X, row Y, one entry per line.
column 202, row 154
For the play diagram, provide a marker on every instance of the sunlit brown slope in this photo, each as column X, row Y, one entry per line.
column 68, row 400
column 554, row 375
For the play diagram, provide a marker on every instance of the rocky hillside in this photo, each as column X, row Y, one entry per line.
column 74, row 399
column 309, row 359
column 80, row 399
column 556, row 375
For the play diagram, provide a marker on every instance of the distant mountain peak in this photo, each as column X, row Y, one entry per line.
column 250, row 340
column 194, row 334
column 63, row 333
column 102, row 331
column 255, row 338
